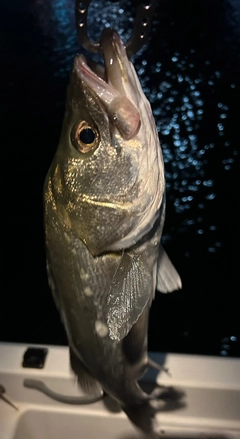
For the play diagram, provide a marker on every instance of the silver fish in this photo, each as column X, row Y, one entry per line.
column 104, row 215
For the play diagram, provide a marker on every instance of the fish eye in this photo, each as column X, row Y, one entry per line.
column 87, row 136
column 84, row 137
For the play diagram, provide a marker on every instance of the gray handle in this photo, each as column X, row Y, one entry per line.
column 39, row 385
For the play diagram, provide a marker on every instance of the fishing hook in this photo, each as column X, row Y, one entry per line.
column 141, row 29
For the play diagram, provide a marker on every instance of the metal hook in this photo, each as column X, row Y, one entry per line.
column 140, row 32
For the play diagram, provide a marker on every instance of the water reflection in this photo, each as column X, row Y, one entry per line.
column 229, row 346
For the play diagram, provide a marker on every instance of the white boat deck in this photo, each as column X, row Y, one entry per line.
column 208, row 408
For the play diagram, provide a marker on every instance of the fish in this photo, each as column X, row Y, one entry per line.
column 104, row 210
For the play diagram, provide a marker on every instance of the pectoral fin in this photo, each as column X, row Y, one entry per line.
column 168, row 279
column 130, row 292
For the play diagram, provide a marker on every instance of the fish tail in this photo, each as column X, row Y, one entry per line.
column 142, row 411
column 143, row 416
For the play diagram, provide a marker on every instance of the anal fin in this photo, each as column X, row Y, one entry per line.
column 88, row 384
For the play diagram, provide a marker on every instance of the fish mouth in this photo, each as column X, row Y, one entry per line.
column 112, row 85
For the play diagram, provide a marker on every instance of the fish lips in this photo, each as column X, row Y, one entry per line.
column 112, row 87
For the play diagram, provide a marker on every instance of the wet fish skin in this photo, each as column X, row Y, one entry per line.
column 104, row 214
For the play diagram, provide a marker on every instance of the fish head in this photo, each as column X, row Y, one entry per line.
column 107, row 177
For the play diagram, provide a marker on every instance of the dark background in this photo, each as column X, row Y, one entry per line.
column 190, row 72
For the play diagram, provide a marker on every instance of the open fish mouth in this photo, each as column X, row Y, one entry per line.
column 112, row 85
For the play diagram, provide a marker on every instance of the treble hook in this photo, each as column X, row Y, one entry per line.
column 141, row 29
